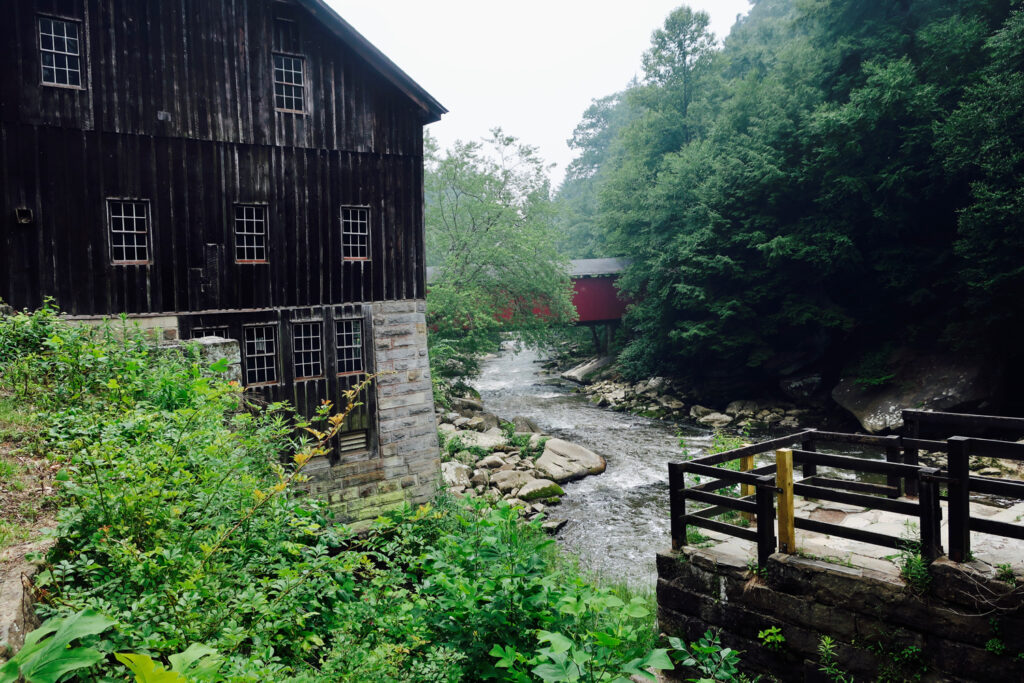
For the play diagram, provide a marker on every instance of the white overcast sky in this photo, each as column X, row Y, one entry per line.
column 531, row 66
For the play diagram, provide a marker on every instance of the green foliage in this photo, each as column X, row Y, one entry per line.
column 772, row 638
column 708, row 657
column 1004, row 572
column 490, row 234
column 914, row 569
column 181, row 535
column 47, row 656
column 829, row 666
column 839, row 175
column 873, row 369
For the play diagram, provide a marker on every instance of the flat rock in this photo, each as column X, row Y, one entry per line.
column 486, row 441
column 564, row 461
column 537, row 489
column 716, row 420
column 507, row 480
column 445, row 427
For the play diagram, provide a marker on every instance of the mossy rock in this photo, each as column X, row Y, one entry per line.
column 540, row 489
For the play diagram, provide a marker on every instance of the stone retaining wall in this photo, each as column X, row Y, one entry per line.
column 968, row 627
column 404, row 463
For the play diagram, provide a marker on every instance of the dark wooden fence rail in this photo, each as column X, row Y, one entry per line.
column 903, row 475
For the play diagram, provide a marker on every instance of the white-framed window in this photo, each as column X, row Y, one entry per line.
column 308, row 349
column 250, row 233
column 260, row 354
column 129, row 230
column 200, row 332
column 60, row 52
column 350, row 346
column 289, row 84
column 355, row 233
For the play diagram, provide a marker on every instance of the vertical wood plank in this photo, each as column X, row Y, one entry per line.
column 784, row 484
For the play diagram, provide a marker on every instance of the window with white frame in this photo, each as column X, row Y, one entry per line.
column 129, row 230
column 60, row 52
column 350, row 346
column 308, row 349
column 289, row 84
column 355, row 232
column 250, row 233
column 260, row 354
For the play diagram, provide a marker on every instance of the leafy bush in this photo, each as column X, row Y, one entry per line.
column 180, row 526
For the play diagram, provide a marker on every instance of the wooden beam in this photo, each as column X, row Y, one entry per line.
column 784, row 484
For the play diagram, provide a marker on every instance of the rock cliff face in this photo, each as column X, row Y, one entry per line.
column 934, row 382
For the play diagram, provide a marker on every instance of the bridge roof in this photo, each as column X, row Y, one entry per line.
column 595, row 267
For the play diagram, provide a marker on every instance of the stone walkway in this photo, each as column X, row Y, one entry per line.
column 991, row 550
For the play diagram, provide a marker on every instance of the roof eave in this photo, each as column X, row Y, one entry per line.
column 431, row 108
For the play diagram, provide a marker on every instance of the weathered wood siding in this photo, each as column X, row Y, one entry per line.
column 178, row 109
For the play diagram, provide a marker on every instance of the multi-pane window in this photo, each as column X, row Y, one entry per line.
column 308, row 350
column 60, row 52
column 129, row 230
column 200, row 332
column 355, row 232
column 288, row 84
column 250, row 233
column 260, row 354
column 350, row 346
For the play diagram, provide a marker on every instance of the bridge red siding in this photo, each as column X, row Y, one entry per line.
column 597, row 300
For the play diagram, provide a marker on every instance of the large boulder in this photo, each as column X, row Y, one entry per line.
column 564, row 461
column 698, row 411
column 455, row 474
column 801, row 387
column 930, row 382
column 584, row 372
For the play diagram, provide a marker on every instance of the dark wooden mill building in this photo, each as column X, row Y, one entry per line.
column 242, row 168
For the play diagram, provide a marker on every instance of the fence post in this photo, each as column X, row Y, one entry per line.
column 959, row 499
column 784, row 485
column 764, row 496
column 931, row 513
column 810, row 468
column 910, row 454
column 892, row 454
column 747, row 464
column 677, row 504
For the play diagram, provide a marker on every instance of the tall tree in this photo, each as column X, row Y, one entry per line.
column 491, row 239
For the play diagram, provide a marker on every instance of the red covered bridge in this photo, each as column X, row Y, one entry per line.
column 594, row 293
column 595, row 297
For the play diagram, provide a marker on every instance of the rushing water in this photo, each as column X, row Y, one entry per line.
column 620, row 519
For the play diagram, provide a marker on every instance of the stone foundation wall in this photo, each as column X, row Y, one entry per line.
column 968, row 627
column 403, row 464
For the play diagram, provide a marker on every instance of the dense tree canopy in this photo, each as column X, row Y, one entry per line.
column 838, row 175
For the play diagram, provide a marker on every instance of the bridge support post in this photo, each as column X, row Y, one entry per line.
column 892, row 454
column 784, row 487
column 764, row 497
column 959, row 499
column 931, row 513
column 677, row 504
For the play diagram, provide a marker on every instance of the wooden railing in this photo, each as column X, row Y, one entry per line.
column 771, row 486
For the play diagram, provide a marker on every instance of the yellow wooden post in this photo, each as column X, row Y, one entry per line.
column 784, row 483
column 747, row 464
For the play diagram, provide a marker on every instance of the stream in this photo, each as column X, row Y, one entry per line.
column 617, row 520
